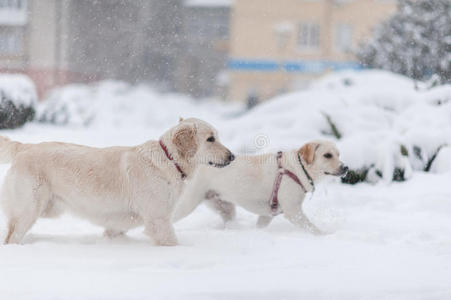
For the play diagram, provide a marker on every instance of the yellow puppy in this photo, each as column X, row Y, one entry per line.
column 118, row 188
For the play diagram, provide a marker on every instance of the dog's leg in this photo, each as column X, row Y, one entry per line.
column 161, row 231
column 52, row 210
column 225, row 209
column 11, row 225
column 23, row 198
column 19, row 226
column 263, row 221
column 190, row 199
column 300, row 219
column 292, row 210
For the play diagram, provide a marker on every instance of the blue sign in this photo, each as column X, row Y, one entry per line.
column 261, row 65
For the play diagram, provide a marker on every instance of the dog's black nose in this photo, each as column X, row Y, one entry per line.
column 231, row 157
column 344, row 169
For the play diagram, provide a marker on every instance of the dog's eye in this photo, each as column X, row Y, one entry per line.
column 211, row 139
column 327, row 155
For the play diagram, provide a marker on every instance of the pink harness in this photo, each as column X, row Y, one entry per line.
column 274, row 201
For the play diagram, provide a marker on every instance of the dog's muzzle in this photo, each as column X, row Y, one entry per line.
column 230, row 158
column 341, row 172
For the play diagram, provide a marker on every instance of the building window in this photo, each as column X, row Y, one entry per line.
column 309, row 35
column 11, row 43
column 13, row 4
column 13, row 12
column 343, row 37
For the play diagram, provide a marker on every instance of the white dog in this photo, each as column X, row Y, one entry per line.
column 266, row 185
column 118, row 188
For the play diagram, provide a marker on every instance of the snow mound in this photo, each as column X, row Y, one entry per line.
column 19, row 89
column 117, row 104
column 18, row 98
column 381, row 121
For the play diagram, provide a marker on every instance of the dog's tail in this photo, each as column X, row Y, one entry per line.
column 8, row 149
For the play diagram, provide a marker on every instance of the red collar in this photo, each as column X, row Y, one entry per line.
column 169, row 156
column 274, row 201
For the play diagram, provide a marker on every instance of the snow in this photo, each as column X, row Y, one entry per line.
column 375, row 111
column 389, row 240
column 443, row 161
column 108, row 104
column 18, row 88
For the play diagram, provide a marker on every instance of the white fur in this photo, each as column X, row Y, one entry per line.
column 248, row 182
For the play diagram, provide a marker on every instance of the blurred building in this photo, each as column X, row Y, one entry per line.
column 63, row 41
column 33, row 40
column 277, row 46
column 187, row 46
column 176, row 45
column 206, row 47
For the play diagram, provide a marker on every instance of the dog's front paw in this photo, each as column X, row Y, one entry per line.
column 263, row 221
column 315, row 230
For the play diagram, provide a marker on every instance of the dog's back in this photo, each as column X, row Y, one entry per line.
column 247, row 182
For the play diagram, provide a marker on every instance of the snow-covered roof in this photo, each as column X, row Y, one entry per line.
column 209, row 3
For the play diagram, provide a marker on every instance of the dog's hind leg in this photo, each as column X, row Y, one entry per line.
column 52, row 210
column 263, row 221
column 225, row 209
column 18, row 226
column 23, row 198
column 11, row 225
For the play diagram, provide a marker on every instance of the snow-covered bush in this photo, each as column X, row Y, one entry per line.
column 17, row 100
column 442, row 161
column 118, row 104
column 384, row 126
column 75, row 104
column 415, row 41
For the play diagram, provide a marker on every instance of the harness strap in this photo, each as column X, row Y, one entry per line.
column 169, row 156
column 274, row 201
column 295, row 179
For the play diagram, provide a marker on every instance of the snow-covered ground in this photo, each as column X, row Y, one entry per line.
column 385, row 240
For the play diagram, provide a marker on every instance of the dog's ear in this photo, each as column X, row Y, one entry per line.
column 307, row 152
column 184, row 139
